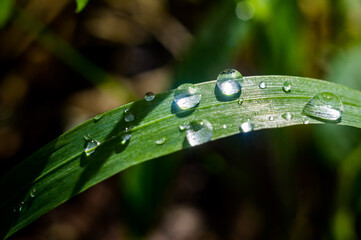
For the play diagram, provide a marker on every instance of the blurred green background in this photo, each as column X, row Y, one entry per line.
column 59, row 68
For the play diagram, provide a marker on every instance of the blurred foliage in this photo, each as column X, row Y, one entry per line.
column 80, row 5
column 295, row 183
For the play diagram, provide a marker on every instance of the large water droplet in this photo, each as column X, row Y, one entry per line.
column 199, row 132
column 125, row 138
column 128, row 116
column 246, row 126
column 262, row 85
column 91, row 146
column 149, row 96
column 324, row 106
column 229, row 81
column 287, row 116
column 161, row 141
column 187, row 96
column 32, row 192
column 287, row 86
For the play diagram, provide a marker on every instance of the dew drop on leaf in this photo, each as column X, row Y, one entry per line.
column 262, row 85
column 324, row 106
column 240, row 101
column 287, row 86
column 98, row 117
column 199, row 132
column 128, row 116
column 32, row 192
column 161, row 141
column 287, row 116
column 271, row 118
column 187, row 96
column 21, row 206
column 229, row 82
column 149, row 96
column 90, row 146
column 224, row 126
column 246, row 126
column 125, row 138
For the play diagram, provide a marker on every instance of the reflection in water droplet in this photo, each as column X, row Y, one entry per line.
column 91, row 146
column 128, row 116
column 183, row 127
column 246, row 126
column 262, row 85
column 187, row 96
column 161, row 141
column 271, row 118
column 325, row 107
column 240, row 101
column 98, row 117
column 287, row 116
column 245, row 10
column 287, row 86
column 229, row 81
column 224, row 126
column 306, row 121
column 125, row 138
column 149, row 96
column 32, row 192
column 199, row 132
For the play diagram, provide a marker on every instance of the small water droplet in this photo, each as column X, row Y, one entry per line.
column 287, row 116
column 161, row 141
column 262, row 85
column 21, row 206
column 229, row 81
column 183, row 127
column 91, row 146
column 125, row 138
column 98, row 117
column 240, row 101
column 287, row 86
column 128, row 116
column 271, row 118
column 324, row 106
column 199, row 132
column 224, row 126
column 149, row 96
column 187, row 96
column 306, row 121
column 32, row 192
column 246, row 126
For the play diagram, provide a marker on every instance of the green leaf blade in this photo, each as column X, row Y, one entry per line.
column 61, row 169
column 80, row 5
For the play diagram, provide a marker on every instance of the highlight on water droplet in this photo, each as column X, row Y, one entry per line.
column 287, row 86
column 246, row 126
column 271, row 118
column 324, row 106
column 199, row 132
column 128, row 116
column 125, row 138
column 187, row 96
column 262, row 85
column 161, row 141
column 149, row 96
column 287, row 116
column 91, row 146
column 21, row 206
column 306, row 121
column 224, row 126
column 32, row 192
column 229, row 82
column 183, row 127
column 240, row 101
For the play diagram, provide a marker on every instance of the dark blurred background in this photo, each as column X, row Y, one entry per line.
column 59, row 68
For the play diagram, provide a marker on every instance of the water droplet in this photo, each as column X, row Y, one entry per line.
column 262, row 85
column 161, row 141
column 224, row 126
column 246, row 126
column 271, row 118
column 91, row 146
column 306, row 121
column 187, row 96
column 287, row 87
column 32, row 192
column 287, row 116
column 98, row 117
column 183, row 127
column 128, row 116
column 149, row 96
column 21, row 206
column 240, row 101
column 199, row 132
column 125, row 138
column 229, row 81
column 324, row 106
